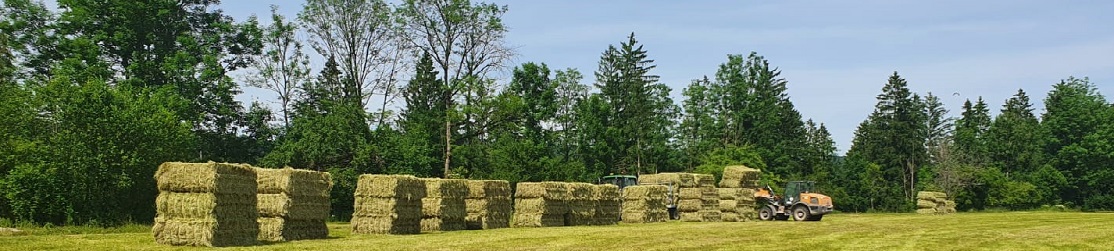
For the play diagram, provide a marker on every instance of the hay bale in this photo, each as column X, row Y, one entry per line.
column 690, row 205
column 730, row 217
column 388, row 204
column 444, row 207
column 740, row 177
column 691, row 216
column 383, row 225
column 205, row 204
column 294, row 182
column 644, row 203
column 729, row 193
column 608, row 204
column 926, row 211
column 211, row 177
column 488, row 204
column 205, row 232
column 711, row 216
column 726, row 206
column 921, row 204
column 676, row 179
column 705, row 180
column 390, row 186
column 690, row 193
column 280, row 229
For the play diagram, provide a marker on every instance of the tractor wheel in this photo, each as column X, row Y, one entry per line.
column 766, row 214
column 800, row 213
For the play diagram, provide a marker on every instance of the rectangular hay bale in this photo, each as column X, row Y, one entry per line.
column 211, row 177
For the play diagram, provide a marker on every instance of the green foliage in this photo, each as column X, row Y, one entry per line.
column 1074, row 120
column 893, row 137
column 715, row 161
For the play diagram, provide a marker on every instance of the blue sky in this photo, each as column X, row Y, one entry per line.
column 835, row 55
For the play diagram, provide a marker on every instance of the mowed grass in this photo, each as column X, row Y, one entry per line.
column 964, row 231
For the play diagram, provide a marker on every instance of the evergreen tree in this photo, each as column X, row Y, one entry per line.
column 970, row 133
column 640, row 111
column 893, row 138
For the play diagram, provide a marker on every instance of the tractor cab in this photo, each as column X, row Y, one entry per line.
column 619, row 180
column 794, row 189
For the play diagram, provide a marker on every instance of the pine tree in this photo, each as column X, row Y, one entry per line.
column 970, row 133
column 641, row 112
column 1013, row 139
column 893, row 137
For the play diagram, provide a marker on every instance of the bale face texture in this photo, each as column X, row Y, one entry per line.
column 388, row 204
column 677, row 179
column 644, row 204
column 444, row 208
column 206, row 204
column 279, row 229
column 608, row 205
column 390, row 186
column 294, row 182
column 211, row 177
column 936, row 202
column 705, row 180
column 740, row 177
column 488, row 204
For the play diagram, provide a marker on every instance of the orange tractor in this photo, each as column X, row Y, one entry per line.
column 800, row 202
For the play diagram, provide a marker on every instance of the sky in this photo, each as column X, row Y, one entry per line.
column 836, row 56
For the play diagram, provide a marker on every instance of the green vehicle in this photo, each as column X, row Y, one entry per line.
column 619, row 180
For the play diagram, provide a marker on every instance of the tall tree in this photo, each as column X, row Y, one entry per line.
column 970, row 132
column 570, row 92
column 893, row 137
column 640, row 109
column 362, row 37
column 424, row 114
column 940, row 127
column 1013, row 139
column 282, row 68
column 1073, row 111
column 464, row 40
column 698, row 133
column 531, row 83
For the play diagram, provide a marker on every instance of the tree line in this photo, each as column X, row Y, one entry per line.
column 95, row 94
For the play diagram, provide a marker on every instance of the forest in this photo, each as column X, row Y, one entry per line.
column 94, row 95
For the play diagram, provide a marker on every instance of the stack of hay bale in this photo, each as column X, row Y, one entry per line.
column 206, row 204
column 709, row 198
column 582, row 204
column 293, row 204
column 697, row 198
column 541, row 204
column 388, row 204
column 443, row 208
column 934, row 203
column 488, row 204
column 644, row 204
column 608, row 204
column 741, row 183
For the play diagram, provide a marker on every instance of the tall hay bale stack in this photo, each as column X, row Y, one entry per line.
column 293, row 203
column 608, row 204
column 728, row 205
column 934, row 203
column 582, row 204
column 747, row 179
column 388, row 204
column 745, row 205
column 542, row 204
column 205, row 204
column 443, row 208
column 644, row 204
column 488, row 204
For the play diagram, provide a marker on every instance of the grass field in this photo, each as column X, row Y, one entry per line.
column 970, row 231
